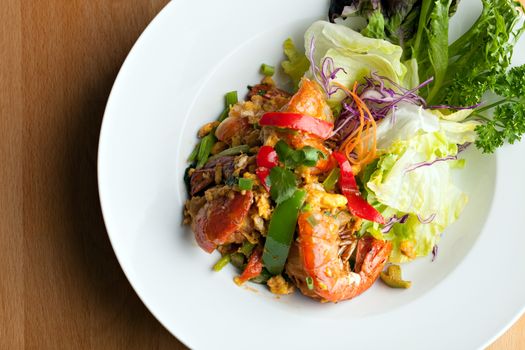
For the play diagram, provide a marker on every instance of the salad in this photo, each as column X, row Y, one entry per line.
column 330, row 184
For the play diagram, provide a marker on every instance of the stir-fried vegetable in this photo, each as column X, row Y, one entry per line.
column 343, row 198
column 297, row 121
column 207, row 143
column 308, row 156
column 247, row 248
column 253, row 268
column 232, row 151
column 225, row 260
column 267, row 70
column 282, row 184
column 281, row 231
column 331, row 180
column 267, row 157
column 263, row 174
column 245, row 184
column 392, row 277
column 356, row 204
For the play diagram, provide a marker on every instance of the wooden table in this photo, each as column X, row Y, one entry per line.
column 62, row 287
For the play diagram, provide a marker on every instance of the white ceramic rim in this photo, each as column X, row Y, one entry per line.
column 186, row 339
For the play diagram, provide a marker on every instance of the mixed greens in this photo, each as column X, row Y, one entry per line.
column 470, row 72
column 433, row 100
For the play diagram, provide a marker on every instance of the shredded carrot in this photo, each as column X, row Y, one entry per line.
column 360, row 147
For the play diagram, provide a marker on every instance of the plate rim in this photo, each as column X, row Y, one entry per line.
column 103, row 131
column 163, row 12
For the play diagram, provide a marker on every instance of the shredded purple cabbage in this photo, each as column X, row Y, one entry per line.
column 427, row 220
column 425, row 164
column 434, row 252
column 393, row 220
column 380, row 100
column 457, row 108
column 326, row 73
column 464, row 146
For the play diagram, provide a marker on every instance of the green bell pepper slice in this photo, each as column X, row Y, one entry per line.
column 281, row 232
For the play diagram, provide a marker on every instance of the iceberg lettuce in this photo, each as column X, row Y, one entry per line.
column 413, row 176
column 358, row 55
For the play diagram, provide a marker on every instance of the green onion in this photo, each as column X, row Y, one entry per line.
column 230, row 98
column 233, row 151
column 193, row 154
column 310, row 283
column 262, row 278
column 207, row 143
column 245, row 184
column 307, row 207
column 237, row 260
column 221, row 263
column 202, row 151
column 312, row 220
column 246, row 248
column 224, row 114
column 331, row 179
column 267, row 70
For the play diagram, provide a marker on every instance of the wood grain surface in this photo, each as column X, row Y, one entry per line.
column 61, row 286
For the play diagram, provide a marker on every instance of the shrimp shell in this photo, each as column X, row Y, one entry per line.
column 316, row 255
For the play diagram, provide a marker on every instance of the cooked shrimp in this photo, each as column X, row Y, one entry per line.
column 310, row 100
column 315, row 255
column 220, row 220
column 232, row 127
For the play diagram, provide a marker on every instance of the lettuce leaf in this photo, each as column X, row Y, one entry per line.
column 410, row 120
column 296, row 64
column 396, row 187
column 356, row 54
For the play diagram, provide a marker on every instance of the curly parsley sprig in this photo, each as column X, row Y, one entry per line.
column 507, row 123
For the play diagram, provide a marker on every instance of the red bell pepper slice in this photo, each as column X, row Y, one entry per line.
column 357, row 205
column 297, row 121
column 267, row 157
column 253, row 267
column 262, row 174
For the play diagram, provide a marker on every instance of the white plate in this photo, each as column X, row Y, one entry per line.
column 172, row 82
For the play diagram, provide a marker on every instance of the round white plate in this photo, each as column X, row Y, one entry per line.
column 172, row 82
